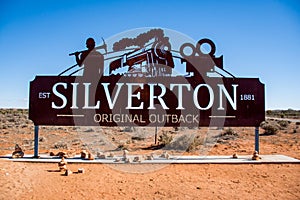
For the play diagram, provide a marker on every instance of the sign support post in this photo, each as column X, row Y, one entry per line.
column 36, row 141
column 257, row 139
column 155, row 136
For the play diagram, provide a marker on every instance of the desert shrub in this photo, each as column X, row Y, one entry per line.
column 269, row 112
column 28, row 142
column 180, row 143
column 128, row 129
column 11, row 119
column 76, row 142
column 89, row 130
column 60, row 145
column 270, row 128
column 229, row 131
column 196, row 142
column 138, row 138
column 3, row 127
column 165, row 138
column 122, row 147
column 227, row 134
column 283, row 124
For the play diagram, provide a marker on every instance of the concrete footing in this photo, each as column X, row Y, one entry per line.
column 242, row 159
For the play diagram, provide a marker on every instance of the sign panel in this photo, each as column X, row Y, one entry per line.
column 148, row 92
column 147, row 101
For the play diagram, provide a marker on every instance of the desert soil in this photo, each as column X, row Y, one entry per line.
column 175, row 181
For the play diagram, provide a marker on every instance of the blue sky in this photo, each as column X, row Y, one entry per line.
column 257, row 38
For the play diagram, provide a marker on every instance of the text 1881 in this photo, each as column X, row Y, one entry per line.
column 247, row 97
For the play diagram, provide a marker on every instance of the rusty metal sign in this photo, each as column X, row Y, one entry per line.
column 135, row 84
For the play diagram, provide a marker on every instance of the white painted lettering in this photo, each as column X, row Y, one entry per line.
column 63, row 98
column 211, row 97
column 111, row 102
column 232, row 102
column 131, row 95
column 87, row 96
column 159, row 97
column 179, row 97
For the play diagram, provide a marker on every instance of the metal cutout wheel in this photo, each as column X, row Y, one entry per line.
column 160, row 48
column 187, row 45
column 206, row 41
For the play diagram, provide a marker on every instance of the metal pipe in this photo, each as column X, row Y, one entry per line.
column 155, row 136
column 257, row 139
column 36, row 141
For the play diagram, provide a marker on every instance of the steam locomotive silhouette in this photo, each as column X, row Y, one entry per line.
column 145, row 62
column 159, row 61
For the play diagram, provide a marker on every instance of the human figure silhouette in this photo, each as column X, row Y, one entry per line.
column 92, row 60
column 93, row 63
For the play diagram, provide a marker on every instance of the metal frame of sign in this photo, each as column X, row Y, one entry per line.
column 150, row 95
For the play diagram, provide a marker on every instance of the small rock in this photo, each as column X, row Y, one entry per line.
column 62, row 165
column 137, row 159
column 101, row 155
column 61, row 154
column 125, row 152
column 256, row 156
column 235, row 156
column 111, row 154
column 165, row 155
column 125, row 155
column 83, row 154
column 68, row 172
column 90, row 156
column 149, row 157
column 128, row 160
column 70, row 154
column 18, row 153
column 81, row 170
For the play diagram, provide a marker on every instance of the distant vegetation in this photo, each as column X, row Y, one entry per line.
column 289, row 113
